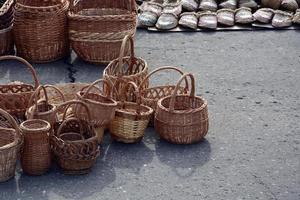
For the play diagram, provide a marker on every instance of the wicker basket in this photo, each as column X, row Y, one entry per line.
column 41, row 108
column 97, row 27
column 10, row 144
column 40, row 29
column 75, row 143
column 6, row 38
column 14, row 97
column 102, row 107
column 125, row 69
column 131, row 119
column 182, row 119
column 36, row 154
column 151, row 95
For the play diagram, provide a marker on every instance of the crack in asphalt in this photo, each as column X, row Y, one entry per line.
column 260, row 181
column 71, row 71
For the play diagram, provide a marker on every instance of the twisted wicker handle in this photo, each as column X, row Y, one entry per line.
column 74, row 102
column 108, row 83
column 136, row 93
column 122, row 52
column 162, row 69
column 29, row 66
column 192, row 92
column 68, row 120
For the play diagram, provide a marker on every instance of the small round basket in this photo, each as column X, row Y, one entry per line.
column 10, row 144
column 41, row 108
column 182, row 119
column 74, row 142
column 36, row 154
column 125, row 69
column 151, row 95
column 131, row 119
column 14, row 97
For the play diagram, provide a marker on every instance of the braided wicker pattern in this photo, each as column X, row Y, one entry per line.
column 10, row 144
column 125, row 69
column 75, row 155
column 151, row 95
column 182, row 119
column 14, row 97
column 40, row 29
column 36, row 154
column 96, row 28
column 131, row 119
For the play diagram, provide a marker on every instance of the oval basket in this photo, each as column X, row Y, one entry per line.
column 10, row 145
column 14, row 97
column 182, row 119
column 125, row 69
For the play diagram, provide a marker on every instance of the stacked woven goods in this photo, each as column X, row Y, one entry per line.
column 96, row 28
column 6, row 24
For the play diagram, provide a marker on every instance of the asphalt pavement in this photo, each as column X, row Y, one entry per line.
column 252, row 151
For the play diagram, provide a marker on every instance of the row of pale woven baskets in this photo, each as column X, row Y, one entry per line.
column 69, row 121
column 45, row 31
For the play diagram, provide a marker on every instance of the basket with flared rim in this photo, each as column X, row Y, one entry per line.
column 11, row 142
column 151, row 94
column 131, row 119
column 74, row 142
column 41, row 108
column 180, row 118
column 14, row 97
column 125, row 69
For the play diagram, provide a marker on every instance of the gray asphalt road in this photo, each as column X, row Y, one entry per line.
column 251, row 81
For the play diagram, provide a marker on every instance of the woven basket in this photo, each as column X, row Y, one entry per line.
column 131, row 119
column 41, row 108
column 102, row 107
column 40, row 29
column 182, row 119
column 125, row 69
column 6, row 38
column 151, row 95
column 97, row 27
column 14, row 97
column 75, row 143
column 36, row 154
column 10, row 144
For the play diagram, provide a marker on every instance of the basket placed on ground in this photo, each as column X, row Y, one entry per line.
column 6, row 24
column 102, row 107
column 151, row 95
column 40, row 29
column 36, row 154
column 131, row 119
column 41, row 108
column 182, row 119
column 97, row 27
column 14, row 97
column 74, row 142
column 125, row 69
column 10, row 144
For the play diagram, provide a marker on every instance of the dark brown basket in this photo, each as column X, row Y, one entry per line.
column 182, row 119
column 74, row 142
column 36, row 154
column 41, row 108
column 97, row 27
column 40, row 29
column 125, row 69
column 131, row 119
column 10, row 144
column 6, row 38
column 151, row 95
column 14, row 97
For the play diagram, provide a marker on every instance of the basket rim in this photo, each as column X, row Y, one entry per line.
column 142, row 113
column 198, row 109
column 6, row 6
column 6, row 29
column 145, row 91
column 46, row 126
column 42, row 7
column 11, row 144
column 53, row 108
column 112, row 103
column 73, row 14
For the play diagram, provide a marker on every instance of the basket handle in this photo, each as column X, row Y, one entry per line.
column 162, row 69
column 14, row 124
column 120, row 69
column 29, row 66
column 136, row 93
column 65, row 122
column 192, row 92
column 67, row 105
column 108, row 83
column 35, row 96
column 57, row 90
